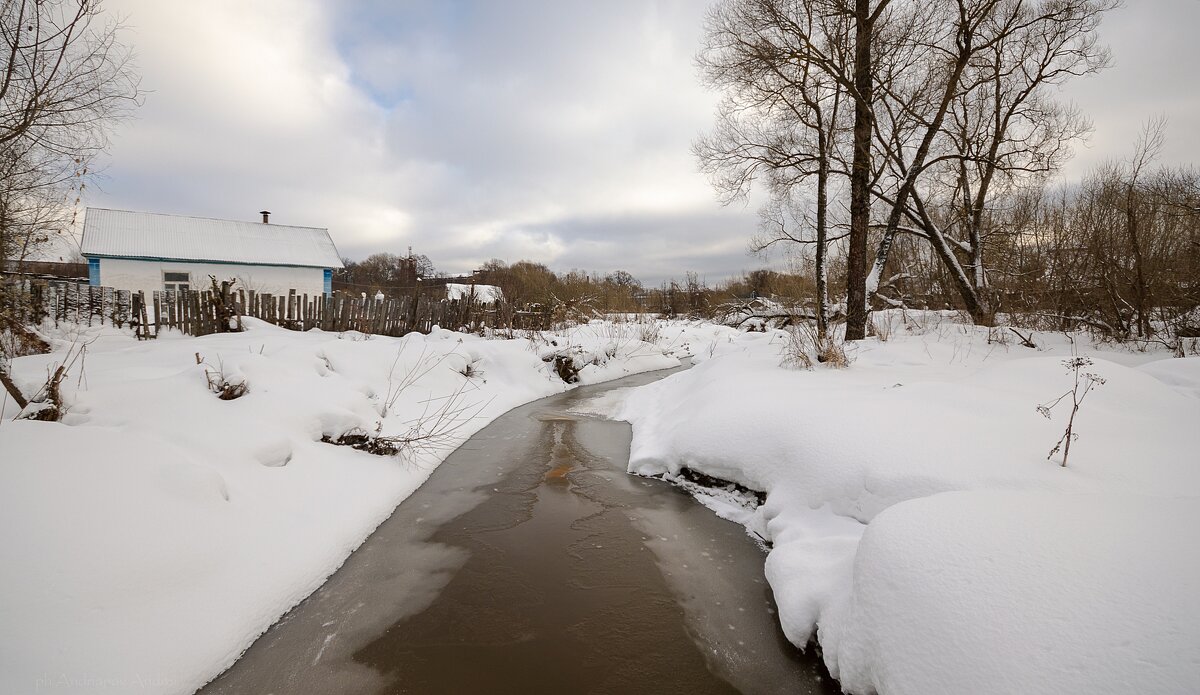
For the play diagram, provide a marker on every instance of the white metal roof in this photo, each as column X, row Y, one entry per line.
column 127, row 234
column 484, row 294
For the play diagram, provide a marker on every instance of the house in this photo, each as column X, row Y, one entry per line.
column 148, row 251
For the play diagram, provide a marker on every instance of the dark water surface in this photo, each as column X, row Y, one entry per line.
column 530, row 562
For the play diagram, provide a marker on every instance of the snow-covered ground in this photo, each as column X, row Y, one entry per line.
column 151, row 536
column 916, row 526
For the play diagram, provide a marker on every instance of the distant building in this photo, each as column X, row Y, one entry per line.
column 480, row 294
column 149, row 251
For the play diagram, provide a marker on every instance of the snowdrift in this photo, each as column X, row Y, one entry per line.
column 917, row 528
column 151, row 536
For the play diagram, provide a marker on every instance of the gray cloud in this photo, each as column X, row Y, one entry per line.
column 554, row 131
column 1154, row 71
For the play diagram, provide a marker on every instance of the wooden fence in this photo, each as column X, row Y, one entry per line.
column 198, row 312
column 395, row 316
column 31, row 301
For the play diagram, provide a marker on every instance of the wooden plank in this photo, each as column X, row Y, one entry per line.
column 71, row 303
column 197, row 318
column 123, row 307
column 203, row 302
column 211, row 315
column 413, row 309
column 137, row 330
column 181, row 312
column 109, row 300
column 193, row 313
column 145, row 320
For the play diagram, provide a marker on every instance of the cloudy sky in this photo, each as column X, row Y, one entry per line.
column 557, row 131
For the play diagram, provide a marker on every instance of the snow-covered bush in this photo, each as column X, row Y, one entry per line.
column 227, row 386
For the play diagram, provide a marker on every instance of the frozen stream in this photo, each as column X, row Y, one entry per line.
column 530, row 562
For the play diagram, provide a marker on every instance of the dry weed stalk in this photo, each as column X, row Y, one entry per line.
column 47, row 403
column 425, row 364
column 436, row 428
column 219, row 382
column 1084, row 382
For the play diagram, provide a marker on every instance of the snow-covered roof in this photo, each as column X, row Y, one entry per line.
column 127, row 234
column 484, row 294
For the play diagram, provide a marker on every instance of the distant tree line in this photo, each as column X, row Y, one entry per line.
column 573, row 292
column 388, row 273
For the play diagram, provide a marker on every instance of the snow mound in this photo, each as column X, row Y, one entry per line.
column 150, row 537
column 1002, row 592
column 874, row 473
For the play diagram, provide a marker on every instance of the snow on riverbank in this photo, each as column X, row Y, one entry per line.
column 918, row 529
column 148, row 539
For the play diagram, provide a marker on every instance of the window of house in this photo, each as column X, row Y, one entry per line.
column 178, row 282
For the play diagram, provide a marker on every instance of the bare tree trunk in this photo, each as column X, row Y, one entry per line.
column 860, row 176
column 822, row 272
column 1141, row 318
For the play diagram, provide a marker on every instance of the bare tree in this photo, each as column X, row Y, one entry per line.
column 952, row 112
column 65, row 78
column 784, row 67
column 1131, row 176
column 1129, row 240
column 991, row 124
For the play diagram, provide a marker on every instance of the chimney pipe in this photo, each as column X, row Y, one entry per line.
column 265, row 214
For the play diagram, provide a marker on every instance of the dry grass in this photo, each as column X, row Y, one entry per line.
column 805, row 347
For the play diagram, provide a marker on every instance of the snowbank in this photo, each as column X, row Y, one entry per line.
column 988, row 592
column 148, row 539
column 917, row 528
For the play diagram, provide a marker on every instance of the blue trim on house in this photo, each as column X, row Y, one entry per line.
column 94, row 272
column 199, row 260
column 328, row 282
